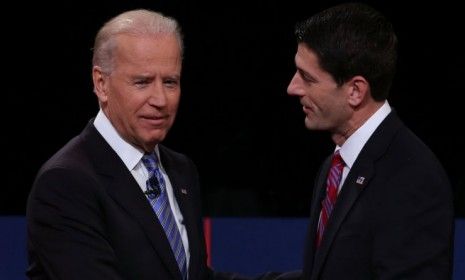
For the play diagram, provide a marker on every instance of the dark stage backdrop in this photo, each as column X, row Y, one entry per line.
column 235, row 120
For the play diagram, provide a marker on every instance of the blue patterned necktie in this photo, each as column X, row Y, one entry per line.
column 158, row 198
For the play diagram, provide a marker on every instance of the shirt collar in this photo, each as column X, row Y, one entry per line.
column 129, row 154
column 354, row 144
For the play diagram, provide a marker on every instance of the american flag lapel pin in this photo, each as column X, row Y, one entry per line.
column 183, row 191
column 360, row 180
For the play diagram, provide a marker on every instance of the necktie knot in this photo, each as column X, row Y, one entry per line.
column 337, row 161
column 155, row 183
column 150, row 161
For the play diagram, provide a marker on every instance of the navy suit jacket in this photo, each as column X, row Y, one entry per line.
column 393, row 218
column 87, row 218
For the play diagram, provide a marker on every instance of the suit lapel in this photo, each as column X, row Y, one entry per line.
column 346, row 199
column 357, row 180
column 182, row 192
column 125, row 191
column 319, row 193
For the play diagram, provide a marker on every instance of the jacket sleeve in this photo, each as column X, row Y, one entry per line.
column 66, row 235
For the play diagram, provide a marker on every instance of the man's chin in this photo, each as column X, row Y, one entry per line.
column 309, row 125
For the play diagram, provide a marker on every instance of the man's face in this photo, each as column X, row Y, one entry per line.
column 142, row 92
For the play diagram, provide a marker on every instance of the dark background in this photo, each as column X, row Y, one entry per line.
column 236, row 122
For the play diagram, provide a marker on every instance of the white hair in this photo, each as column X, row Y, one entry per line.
column 138, row 22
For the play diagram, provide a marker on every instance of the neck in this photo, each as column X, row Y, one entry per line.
column 359, row 117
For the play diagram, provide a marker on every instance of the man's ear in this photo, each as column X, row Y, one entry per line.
column 358, row 90
column 100, row 80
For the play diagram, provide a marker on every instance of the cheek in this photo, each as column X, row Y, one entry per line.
column 317, row 99
column 174, row 102
column 132, row 102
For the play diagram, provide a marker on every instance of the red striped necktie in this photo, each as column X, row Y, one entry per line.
column 332, row 185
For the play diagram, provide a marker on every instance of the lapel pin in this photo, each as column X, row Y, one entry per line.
column 183, row 191
column 360, row 180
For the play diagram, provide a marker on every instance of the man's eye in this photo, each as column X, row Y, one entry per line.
column 171, row 83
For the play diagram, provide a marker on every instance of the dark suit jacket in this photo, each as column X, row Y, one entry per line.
column 87, row 218
column 393, row 218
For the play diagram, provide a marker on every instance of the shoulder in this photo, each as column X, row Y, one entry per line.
column 72, row 165
column 72, row 156
column 69, row 165
column 408, row 165
column 394, row 141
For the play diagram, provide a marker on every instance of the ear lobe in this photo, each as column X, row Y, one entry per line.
column 100, row 84
column 358, row 87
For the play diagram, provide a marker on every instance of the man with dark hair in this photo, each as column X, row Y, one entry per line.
column 382, row 203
